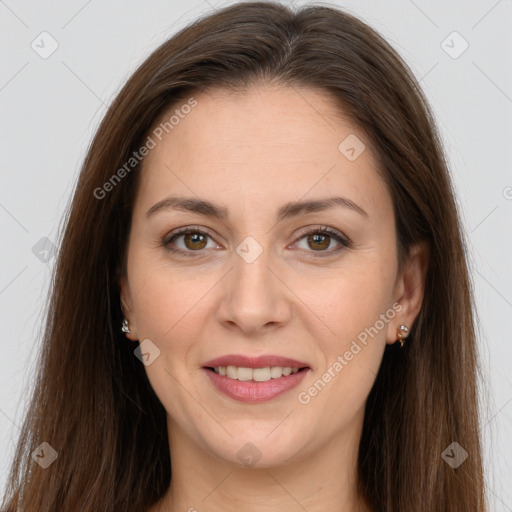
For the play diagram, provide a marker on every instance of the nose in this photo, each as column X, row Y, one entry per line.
column 254, row 295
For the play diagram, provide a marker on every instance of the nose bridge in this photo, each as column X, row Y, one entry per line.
column 254, row 295
column 251, row 276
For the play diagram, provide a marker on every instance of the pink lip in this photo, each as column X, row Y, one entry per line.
column 254, row 362
column 251, row 391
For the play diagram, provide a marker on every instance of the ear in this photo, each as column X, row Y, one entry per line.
column 409, row 289
column 127, row 307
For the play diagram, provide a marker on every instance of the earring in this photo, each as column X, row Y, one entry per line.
column 124, row 326
column 401, row 334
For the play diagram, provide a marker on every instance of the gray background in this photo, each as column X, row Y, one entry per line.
column 50, row 108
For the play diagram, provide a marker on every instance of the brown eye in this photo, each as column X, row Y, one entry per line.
column 194, row 240
column 317, row 241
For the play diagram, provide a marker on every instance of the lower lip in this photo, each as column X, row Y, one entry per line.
column 255, row 392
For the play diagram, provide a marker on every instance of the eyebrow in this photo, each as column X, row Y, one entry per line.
column 292, row 209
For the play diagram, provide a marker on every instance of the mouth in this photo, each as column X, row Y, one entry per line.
column 253, row 379
column 255, row 385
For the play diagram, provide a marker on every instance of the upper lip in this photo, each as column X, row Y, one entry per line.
column 254, row 361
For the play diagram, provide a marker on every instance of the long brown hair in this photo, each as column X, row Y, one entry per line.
column 92, row 401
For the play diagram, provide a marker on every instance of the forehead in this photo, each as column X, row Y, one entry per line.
column 268, row 142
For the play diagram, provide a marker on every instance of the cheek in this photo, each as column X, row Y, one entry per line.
column 351, row 357
column 357, row 316
column 165, row 298
column 351, row 299
column 355, row 307
column 169, row 312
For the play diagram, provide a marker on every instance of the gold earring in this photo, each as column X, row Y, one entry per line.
column 124, row 326
column 401, row 334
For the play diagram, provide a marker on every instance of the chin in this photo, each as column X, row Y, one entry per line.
column 252, row 451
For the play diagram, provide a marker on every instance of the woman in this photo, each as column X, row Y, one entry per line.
column 262, row 285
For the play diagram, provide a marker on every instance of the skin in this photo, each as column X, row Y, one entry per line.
column 252, row 152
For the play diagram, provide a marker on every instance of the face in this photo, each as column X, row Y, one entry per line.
column 315, row 285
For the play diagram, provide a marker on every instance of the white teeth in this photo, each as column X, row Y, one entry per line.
column 256, row 374
column 244, row 373
column 276, row 372
column 232, row 372
column 260, row 374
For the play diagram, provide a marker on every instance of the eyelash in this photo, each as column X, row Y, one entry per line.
column 323, row 230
